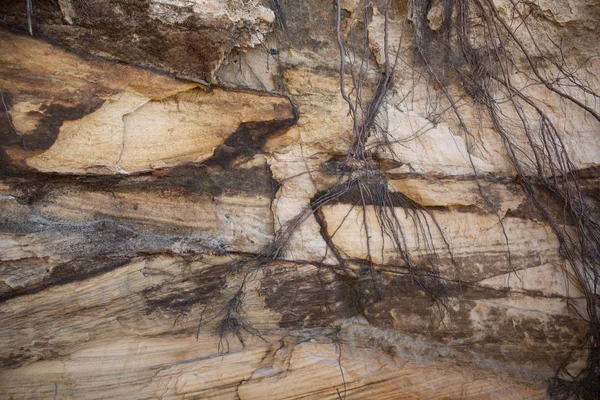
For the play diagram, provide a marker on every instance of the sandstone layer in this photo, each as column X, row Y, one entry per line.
column 153, row 152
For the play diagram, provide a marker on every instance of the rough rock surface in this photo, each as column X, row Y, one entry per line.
column 149, row 150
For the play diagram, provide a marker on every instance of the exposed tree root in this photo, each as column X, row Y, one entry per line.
column 360, row 177
column 542, row 163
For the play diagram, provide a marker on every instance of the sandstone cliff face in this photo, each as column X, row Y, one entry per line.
column 154, row 154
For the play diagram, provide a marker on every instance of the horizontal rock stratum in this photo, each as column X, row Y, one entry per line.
column 196, row 203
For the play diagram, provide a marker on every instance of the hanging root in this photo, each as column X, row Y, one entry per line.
column 358, row 175
column 584, row 385
column 541, row 160
column 233, row 322
column 362, row 172
column 367, row 188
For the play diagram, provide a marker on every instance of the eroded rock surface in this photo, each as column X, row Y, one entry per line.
column 184, row 37
column 154, row 153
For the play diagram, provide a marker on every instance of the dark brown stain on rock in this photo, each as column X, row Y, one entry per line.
column 51, row 118
column 544, row 338
column 387, row 298
column 305, row 296
column 16, row 358
column 187, row 179
column 353, row 196
column 84, row 250
column 77, row 270
column 248, row 140
column 127, row 30
column 179, row 294
column 213, row 180
column 105, row 242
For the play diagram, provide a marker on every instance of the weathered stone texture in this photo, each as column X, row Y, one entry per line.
column 150, row 150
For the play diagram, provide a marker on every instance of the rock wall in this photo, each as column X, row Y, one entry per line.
column 150, row 151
